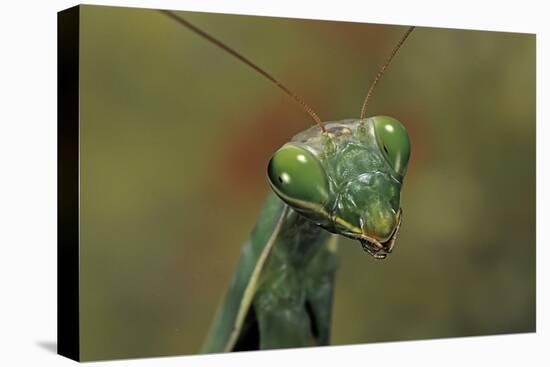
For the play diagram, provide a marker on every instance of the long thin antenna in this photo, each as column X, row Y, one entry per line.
column 383, row 69
column 228, row 49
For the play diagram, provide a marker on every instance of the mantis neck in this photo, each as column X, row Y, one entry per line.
column 299, row 240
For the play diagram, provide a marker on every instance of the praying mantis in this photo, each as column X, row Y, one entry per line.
column 340, row 178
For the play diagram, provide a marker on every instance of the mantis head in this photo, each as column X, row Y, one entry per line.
column 347, row 179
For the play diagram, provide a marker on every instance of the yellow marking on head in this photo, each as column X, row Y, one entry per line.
column 346, row 225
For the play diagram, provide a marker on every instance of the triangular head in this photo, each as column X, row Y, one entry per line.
column 347, row 179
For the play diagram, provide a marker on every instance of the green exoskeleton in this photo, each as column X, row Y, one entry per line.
column 337, row 178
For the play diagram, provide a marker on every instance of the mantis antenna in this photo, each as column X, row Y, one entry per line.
column 229, row 50
column 383, row 69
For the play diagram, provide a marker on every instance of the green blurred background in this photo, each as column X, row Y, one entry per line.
column 176, row 135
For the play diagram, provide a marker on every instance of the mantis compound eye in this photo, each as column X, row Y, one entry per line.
column 297, row 177
column 394, row 143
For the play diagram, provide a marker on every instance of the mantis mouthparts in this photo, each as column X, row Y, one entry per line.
column 373, row 250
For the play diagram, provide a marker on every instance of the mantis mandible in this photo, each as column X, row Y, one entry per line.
column 335, row 178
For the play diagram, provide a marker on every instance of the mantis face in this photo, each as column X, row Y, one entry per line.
column 347, row 179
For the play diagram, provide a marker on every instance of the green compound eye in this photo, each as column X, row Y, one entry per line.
column 394, row 142
column 297, row 176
